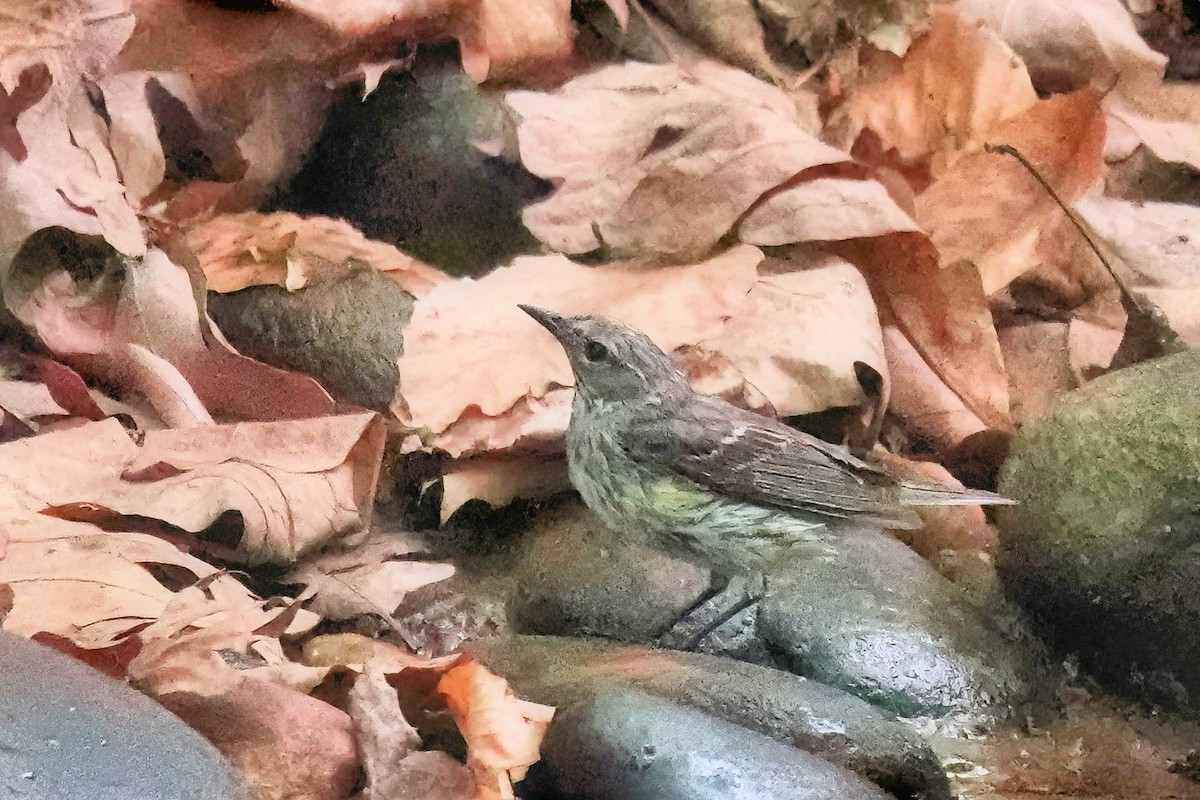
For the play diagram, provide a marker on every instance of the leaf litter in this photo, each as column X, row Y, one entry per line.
column 800, row 188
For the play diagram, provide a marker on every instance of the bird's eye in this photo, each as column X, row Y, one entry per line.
column 594, row 351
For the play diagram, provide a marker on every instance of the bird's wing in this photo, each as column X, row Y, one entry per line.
column 760, row 460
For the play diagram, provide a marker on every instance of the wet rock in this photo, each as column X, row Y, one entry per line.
column 405, row 166
column 866, row 615
column 574, row 576
column 818, row 719
column 345, row 333
column 68, row 732
column 632, row 745
column 1104, row 548
column 871, row 617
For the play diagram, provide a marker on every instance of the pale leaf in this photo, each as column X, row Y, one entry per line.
column 283, row 249
column 656, row 159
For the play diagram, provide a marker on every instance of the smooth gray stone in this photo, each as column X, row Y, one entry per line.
column 574, row 576
column 68, row 732
column 865, row 614
column 871, row 617
column 819, row 719
column 624, row 744
column 347, row 333
column 404, row 167
column 1104, row 549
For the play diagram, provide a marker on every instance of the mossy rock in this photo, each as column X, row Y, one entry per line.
column 1104, row 548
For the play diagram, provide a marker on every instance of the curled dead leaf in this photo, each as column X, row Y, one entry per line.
column 282, row 249
column 503, row 733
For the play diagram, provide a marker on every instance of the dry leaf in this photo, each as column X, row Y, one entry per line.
column 370, row 577
column 1158, row 241
column 295, row 484
column 503, row 733
column 824, row 209
column 498, row 38
column 282, row 249
column 86, row 584
column 957, row 83
column 387, row 746
column 102, row 588
column 987, row 201
column 498, row 480
column 133, row 133
column 138, row 325
column 1166, row 119
column 1073, row 44
column 921, row 398
column 759, row 338
column 67, row 176
column 792, row 348
column 944, row 315
column 655, row 159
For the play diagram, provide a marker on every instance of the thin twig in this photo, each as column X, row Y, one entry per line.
column 1145, row 309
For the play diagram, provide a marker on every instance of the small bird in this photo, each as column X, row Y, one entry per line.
column 711, row 482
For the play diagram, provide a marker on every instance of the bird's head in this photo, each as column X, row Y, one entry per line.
column 612, row 362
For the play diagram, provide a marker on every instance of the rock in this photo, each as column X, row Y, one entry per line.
column 871, row 617
column 866, row 614
column 818, row 719
column 1104, row 549
column 286, row 743
column 628, row 744
column 405, row 166
column 577, row 577
column 72, row 733
column 347, row 333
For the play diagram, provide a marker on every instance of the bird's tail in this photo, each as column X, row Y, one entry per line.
column 913, row 493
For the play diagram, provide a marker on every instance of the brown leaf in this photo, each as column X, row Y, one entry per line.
column 1157, row 241
column 987, row 201
column 67, row 176
column 921, row 397
column 282, row 249
column 1166, row 119
column 498, row 38
column 32, row 85
column 138, row 325
column 518, row 38
column 956, row 83
column 943, row 313
column 101, row 589
column 655, row 159
column 295, row 484
column 824, row 209
column 372, row 576
column 387, row 745
column 503, row 733
column 498, row 480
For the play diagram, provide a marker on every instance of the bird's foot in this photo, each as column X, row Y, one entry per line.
column 739, row 593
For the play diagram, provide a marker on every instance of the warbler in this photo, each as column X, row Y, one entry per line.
column 719, row 485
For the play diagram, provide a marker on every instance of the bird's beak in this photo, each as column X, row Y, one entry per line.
column 557, row 324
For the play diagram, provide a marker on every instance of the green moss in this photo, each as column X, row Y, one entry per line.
column 1107, row 531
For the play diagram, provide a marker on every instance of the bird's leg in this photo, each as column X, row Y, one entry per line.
column 740, row 592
